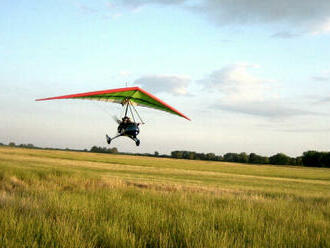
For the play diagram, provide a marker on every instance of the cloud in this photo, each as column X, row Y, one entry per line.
column 226, row 41
column 86, row 9
column 124, row 73
column 304, row 15
column 269, row 109
column 325, row 100
column 139, row 3
column 236, row 83
column 241, row 91
column 285, row 35
column 173, row 84
column 321, row 27
column 306, row 130
column 322, row 77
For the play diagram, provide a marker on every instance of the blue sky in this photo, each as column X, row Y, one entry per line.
column 253, row 77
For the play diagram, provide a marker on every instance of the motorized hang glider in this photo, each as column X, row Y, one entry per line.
column 128, row 97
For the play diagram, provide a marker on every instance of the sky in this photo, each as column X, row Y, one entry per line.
column 253, row 76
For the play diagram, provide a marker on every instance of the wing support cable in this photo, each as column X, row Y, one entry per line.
column 137, row 113
column 130, row 108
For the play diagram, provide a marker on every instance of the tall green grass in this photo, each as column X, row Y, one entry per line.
column 68, row 199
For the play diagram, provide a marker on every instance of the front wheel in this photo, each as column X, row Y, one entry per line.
column 108, row 139
column 137, row 142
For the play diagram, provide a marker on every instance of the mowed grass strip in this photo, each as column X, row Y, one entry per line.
column 71, row 199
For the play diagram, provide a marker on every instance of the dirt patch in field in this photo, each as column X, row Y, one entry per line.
column 11, row 184
column 5, row 197
column 16, row 182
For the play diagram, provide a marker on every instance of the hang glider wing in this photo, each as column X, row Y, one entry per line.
column 135, row 95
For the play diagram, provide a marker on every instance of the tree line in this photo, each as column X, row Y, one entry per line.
column 309, row 158
column 99, row 149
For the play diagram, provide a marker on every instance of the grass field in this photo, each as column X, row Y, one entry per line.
column 75, row 199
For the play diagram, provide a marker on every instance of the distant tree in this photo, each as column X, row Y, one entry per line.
column 264, row 160
column 156, row 153
column 192, row 155
column 231, row 157
column 257, row 159
column 113, row 150
column 243, row 157
column 176, row 154
column 312, row 158
column 185, row 154
column 253, row 158
column 1, row 144
column 219, row 158
column 235, row 157
column 295, row 161
column 316, row 159
column 197, row 156
column 202, row 156
column 326, row 159
column 26, row 145
column 12, row 144
column 279, row 159
column 299, row 161
column 98, row 149
column 292, row 161
column 210, row 156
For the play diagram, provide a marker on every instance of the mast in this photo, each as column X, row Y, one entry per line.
column 126, row 108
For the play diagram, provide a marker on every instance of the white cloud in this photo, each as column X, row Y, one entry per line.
column 303, row 15
column 173, row 84
column 124, row 73
column 269, row 109
column 325, row 100
column 139, row 3
column 285, row 35
column 237, row 84
column 306, row 130
column 323, row 76
column 321, row 27
column 241, row 91
column 320, row 78
column 86, row 9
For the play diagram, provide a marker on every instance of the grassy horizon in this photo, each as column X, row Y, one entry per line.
column 76, row 199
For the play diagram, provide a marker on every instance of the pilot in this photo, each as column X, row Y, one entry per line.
column 124, row 123
column 126, row 120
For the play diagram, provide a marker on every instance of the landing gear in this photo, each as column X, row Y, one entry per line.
column 127, row 127
column 137, row 141
column 108, row 139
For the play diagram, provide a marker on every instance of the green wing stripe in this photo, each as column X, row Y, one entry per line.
column 136, row 97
